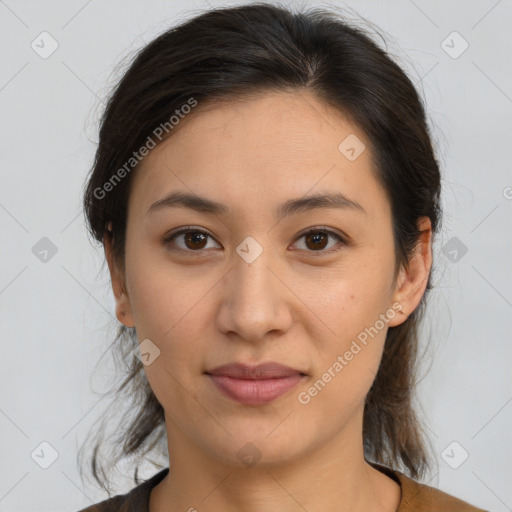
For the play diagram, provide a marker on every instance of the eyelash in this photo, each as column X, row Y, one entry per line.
column 190, row 229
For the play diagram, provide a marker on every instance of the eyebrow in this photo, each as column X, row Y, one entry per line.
column 290, row 207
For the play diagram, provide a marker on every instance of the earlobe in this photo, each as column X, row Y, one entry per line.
column 412, row 280
column 123, row 306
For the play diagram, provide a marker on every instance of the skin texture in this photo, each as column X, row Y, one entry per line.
column 294, row 304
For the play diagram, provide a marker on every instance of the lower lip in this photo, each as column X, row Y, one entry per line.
column 252, row 391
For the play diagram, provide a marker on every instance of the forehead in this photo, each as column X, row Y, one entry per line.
column 274, row 145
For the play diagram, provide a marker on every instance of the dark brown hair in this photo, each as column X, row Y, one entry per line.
column 234, row 52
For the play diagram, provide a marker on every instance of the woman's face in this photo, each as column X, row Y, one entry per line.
column 257, row 288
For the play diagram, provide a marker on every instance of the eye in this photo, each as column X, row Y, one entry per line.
column 193, row 239
column 317, row 240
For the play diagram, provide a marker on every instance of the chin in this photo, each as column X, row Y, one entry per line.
column 256, row 448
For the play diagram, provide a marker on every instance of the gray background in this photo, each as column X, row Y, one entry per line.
column 57, row 310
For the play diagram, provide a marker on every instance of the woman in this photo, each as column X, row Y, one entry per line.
column 267, row 193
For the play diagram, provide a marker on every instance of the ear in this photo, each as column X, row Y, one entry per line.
column 123, row 306
column 412, row 280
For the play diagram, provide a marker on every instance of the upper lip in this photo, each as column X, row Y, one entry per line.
column 261, row 371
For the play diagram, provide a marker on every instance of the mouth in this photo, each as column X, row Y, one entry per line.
column 255, row 384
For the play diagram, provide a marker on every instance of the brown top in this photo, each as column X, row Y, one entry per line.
column 416, row 497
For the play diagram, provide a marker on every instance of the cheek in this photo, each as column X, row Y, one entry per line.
column 347, row 300
column 164, row 297
column 169, row 308
column 347, row 359
column 332, row 398
column 355, row 308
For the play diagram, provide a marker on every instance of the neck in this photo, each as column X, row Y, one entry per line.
column 313, row 481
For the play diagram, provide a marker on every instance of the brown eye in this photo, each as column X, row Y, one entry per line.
column 317, row 240
column 191, row 240
column 195, row 240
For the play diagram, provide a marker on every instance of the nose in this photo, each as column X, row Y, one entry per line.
column 255, row 300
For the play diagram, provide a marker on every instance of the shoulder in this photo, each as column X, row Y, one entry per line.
column 136, row 500
column 421, row 497
column 418, row 497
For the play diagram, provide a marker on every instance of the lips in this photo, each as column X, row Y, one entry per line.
column 256, row 372
column 255, row 384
